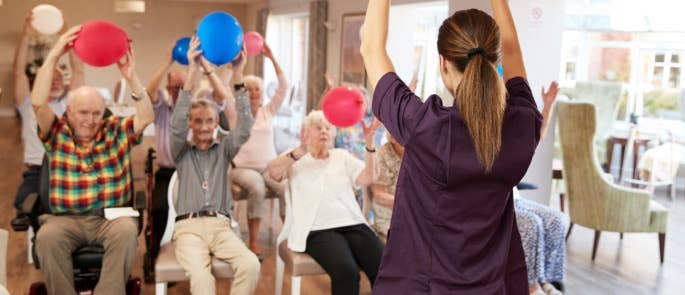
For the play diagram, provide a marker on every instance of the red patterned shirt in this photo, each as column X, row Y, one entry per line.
column 85, row 178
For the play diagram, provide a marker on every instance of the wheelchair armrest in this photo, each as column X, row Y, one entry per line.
column 30, row 202
column 140, row 200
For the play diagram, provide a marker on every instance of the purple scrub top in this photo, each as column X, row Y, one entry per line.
column 453, row 228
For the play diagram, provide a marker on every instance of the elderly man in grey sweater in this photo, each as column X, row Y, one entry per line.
column 203, row 227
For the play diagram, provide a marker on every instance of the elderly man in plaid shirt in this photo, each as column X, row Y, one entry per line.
column 90, row 164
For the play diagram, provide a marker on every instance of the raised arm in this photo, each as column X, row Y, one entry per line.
column 279, row 96
column 179, row 118
column 221, row 93
column 21, row 81
column 233, row 72
column 144, row 112
column 548, row 98
column 78, row 76
column 281, row 164
column 512, row 57
column 157, row 77
column 374, row 38
column 241, row 133
column 41, row 86
column 367, row 175
column 225, row 74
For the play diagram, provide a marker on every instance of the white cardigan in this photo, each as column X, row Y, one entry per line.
column 306, row 182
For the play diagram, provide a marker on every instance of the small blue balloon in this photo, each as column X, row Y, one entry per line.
column 180, row 52
column 221, row 37
column 500, row 70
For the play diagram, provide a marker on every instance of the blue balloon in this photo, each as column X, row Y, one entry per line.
column 500, row 70
column 180, row 52
column 221, row 37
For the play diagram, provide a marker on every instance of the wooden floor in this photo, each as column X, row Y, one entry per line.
column 630, row 266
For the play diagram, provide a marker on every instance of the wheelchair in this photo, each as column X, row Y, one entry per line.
column 87, row 260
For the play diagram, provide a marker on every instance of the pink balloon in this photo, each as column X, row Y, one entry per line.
column 254, row 42
column 344, row 106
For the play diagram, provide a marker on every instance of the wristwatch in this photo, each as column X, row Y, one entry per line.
column 137, row 97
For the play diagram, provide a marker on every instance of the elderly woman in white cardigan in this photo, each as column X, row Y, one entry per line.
column 324, row 219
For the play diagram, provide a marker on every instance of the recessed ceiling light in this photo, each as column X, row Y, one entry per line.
column 128, row 6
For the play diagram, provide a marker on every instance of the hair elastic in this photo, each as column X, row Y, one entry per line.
column 476, row 51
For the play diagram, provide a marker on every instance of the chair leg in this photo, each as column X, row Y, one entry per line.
column 595, row 244
column 620, row 236
column 662, row 246
column 29, row 244
column 280, row 268
column 160, row 288
column 568, row 233
column 562, row 199
column 295, row 284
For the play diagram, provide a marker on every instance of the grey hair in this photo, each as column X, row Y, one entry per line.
column 203, row 103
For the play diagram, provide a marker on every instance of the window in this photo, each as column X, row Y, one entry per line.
column 631, row 52
column 288, row 37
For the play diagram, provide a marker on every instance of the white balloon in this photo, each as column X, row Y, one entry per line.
column 47, row 19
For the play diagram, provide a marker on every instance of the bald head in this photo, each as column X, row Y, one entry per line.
column 85, row 110
column 85, row 95
column 176, row 78
column 175, row 81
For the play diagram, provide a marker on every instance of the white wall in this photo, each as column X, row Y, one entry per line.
column 541, row 44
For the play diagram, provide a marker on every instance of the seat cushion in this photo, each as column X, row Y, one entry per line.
column 167, row 268
column 658, row 216
column 301, row 264
column 88, row 257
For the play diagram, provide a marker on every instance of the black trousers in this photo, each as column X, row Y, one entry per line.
column 342, row 252
column 30, row 184
column 160, row 206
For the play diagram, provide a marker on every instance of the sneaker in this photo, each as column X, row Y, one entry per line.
column 21, row 222
column 550, row 289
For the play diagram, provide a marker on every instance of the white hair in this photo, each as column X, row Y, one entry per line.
column 252, row 79
column 317, row 118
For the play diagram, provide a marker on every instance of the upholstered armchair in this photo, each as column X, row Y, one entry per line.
column 595, row 201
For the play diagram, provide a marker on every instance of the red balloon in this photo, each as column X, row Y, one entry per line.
column 344, row 106
column 101, row 43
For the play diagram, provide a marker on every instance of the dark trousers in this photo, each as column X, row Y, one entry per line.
column 29, row 184
column 160, row 206
column 342, row 252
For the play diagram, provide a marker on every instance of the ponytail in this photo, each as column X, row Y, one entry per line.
column 470, row 40
column 481, row 98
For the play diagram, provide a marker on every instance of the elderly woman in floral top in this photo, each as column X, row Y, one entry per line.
column 383, row 189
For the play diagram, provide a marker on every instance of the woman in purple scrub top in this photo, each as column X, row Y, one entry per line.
column 453, row 229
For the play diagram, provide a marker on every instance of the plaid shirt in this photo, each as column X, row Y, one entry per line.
column 82, row 178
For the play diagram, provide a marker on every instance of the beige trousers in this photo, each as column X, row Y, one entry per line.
column 60, row 236
column 196, row 240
